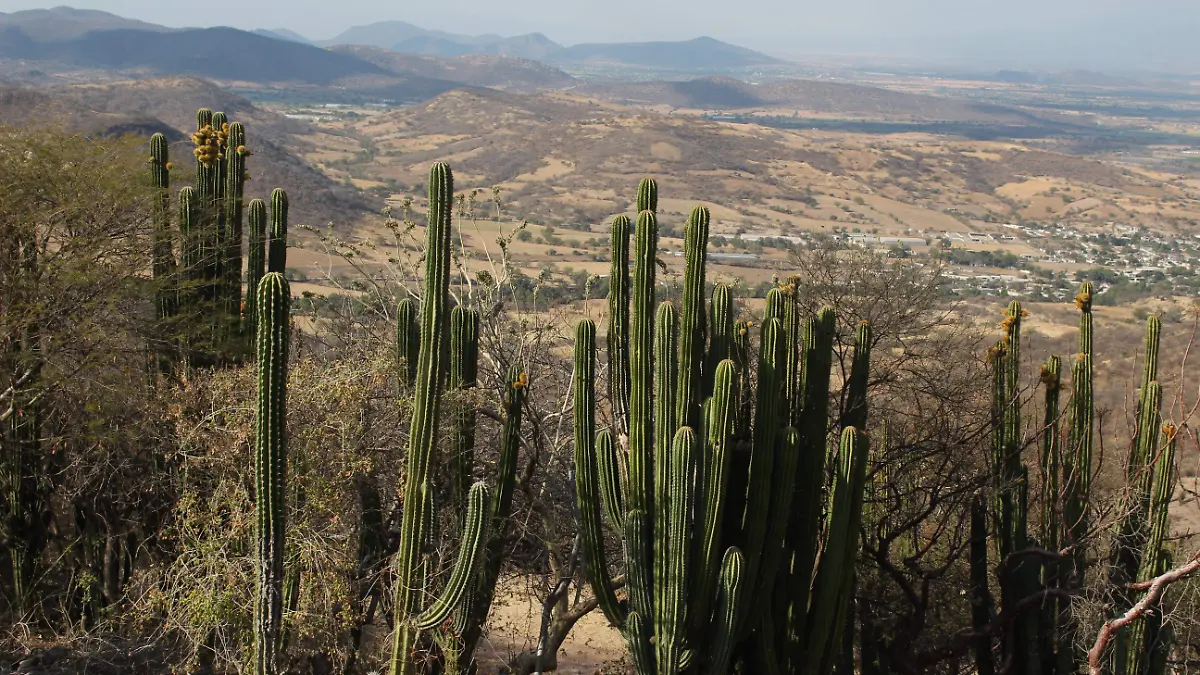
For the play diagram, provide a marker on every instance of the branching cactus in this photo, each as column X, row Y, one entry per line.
column 1041, row 638
column 218, row 321
column 719, row 478
column 467, row 595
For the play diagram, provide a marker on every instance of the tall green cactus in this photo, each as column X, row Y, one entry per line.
column 408, row 341
column 218, row 320
column 1138, row 547
column 164, row 254
column 472, row 581
column 256, row 261
column 270, row 468
column 1041, row 638
column 277, row 237
column 707, row 525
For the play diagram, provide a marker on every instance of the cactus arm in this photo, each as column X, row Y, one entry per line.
column 464, row 358
column 640, row 492
column 666, row 364
column 805, row 527
column 425, row 415
column 610, row 481
column 466, row 568
column 618, row 325
column 981, row 597
column 408, row 341
column 762, row 463
column 637, row 634
column 1077, row 456
column 1137, row 641
column 647, row 196
column 672, row 588
column 711, row 494
column 256, row 261
column 234, row 209
column 831, row 588
column 1052, row 467
column 277, row 242
column 691, row 331
column 586, row 482
column 638, row 575
column 783, row 483
column 856, row 399
column 164, row 255
column 730, row 609
column 270, row 462
column 720, row 327
column 477, row 603
column 794, row 358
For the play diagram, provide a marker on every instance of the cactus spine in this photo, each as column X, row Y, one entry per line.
column 270, row 468
column 707, row 525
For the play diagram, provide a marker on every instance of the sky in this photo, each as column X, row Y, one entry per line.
column 1101, row 34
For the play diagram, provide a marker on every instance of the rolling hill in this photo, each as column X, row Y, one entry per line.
column 558, row 158
column 404, row 37
column 727, row 93
column 209, row 52
column 67, row 23
column 169, row 105
column 699, row 54
column 478, row 70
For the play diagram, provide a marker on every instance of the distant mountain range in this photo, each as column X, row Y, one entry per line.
column 477, row 70
column 700, row 54
column 66, row 23
column 93, row 39
column 400, row 36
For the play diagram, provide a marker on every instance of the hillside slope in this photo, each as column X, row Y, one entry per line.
column 67, row 23
column 169, row 105
column 563, row 159
column 401, row 36
column 727, row 93
column 478, row 70
column 209, row 52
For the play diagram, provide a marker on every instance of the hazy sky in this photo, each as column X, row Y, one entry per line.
column 1159, row 34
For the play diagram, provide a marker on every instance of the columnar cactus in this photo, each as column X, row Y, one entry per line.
column 270, row 468
column 1138, row 548
column 277, row 238
column 408, row 341
column 164, row 254
column 256, row 260
column 472, row 582
column 218, row 321
column 1041, row 638
column 707, row 526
